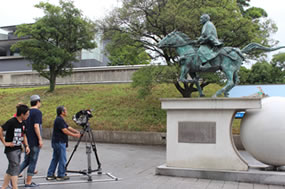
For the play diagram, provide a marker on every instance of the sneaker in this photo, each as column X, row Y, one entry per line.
column 32, row 185
column 62, row 178
column 50, row 177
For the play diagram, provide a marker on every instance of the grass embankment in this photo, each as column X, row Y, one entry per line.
column 116, row 106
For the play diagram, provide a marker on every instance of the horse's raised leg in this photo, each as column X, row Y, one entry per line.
column 196, row 81
column 184, row 69
column 229, row 85
column 235, row 80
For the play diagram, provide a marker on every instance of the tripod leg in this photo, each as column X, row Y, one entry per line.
column 95, row 150
column 89, row 171
column 88, row 152
column 75, row 148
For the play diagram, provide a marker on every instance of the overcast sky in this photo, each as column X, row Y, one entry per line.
column 13, row 12
column 275, row 10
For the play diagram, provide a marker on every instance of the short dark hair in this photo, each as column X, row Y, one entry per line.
column 59, row 110
column 22, row 109
column 33, row 103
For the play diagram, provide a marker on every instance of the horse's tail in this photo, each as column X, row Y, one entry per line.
column 255, row 46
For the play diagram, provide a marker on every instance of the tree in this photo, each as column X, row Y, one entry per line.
column 244, row 74
column 279, row 61
column 55, row 40
column 242, row 4
column 146, row 78
column 148, row 21
column 264, row 72
column 278, row 67
column 122, row 50
column 261, row 73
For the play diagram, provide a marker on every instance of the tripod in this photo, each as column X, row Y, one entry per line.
column 91, row 140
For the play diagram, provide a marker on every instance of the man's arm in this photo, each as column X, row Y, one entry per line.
column 27, row 148
column 73, row 130
column 69, row 133
column 38, row 133
column 7, row 144
column 205, row 34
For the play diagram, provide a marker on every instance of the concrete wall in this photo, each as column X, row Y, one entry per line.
column 103, row 74
column 127, row 137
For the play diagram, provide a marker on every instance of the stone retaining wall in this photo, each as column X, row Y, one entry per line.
column 91, row 75
column 131, row 137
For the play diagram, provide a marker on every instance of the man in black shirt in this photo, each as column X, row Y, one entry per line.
column 33, row 130
column 15, row 135
column 59, row 140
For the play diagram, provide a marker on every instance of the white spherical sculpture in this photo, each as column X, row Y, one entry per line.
column 263, row 131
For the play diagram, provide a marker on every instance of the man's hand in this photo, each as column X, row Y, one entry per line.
column 27, row 148
column 9, row 144
column 41, row 143
column 77, row 135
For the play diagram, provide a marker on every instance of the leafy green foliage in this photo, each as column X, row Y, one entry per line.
column 55, row 39
column 244, row 75
column 279, row 61
column 255, row 13
column 147, row 78
column 149, row 21
column 122, row 50
column 278, row 67
column 261, row 73
column 264, row 72
column 242, row 4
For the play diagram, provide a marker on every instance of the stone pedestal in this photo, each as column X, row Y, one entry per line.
column 199, row 132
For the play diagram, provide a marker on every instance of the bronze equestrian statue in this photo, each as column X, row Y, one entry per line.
column 210, row 56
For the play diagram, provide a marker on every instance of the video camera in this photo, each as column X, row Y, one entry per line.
column 81, row 118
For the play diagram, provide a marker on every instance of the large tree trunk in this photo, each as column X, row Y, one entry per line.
column 189, row 88
column 52, row 80
column 186, row 92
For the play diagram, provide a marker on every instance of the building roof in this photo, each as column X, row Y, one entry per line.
column 9, row 28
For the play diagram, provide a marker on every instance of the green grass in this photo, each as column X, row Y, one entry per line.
column 116, row 106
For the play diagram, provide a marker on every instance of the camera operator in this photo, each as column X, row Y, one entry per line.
column 59, row 141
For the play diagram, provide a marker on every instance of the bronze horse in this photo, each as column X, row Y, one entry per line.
column 228, row 60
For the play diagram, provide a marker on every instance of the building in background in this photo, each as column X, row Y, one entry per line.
column 12, row 61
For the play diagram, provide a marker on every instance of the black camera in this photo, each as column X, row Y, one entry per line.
column 81, row 118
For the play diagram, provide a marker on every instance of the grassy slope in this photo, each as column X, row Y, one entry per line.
column 116, row 106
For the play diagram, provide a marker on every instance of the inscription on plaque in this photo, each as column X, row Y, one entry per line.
column 197, row 132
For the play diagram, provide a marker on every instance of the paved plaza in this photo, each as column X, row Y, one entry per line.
column 133, row 164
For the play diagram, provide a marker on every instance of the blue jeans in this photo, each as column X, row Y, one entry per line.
column 30, row 160
column 58, row 158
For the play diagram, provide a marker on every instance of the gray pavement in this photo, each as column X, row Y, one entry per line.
column 134, row 164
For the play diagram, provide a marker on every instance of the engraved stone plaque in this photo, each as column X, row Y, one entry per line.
column 197, row 132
